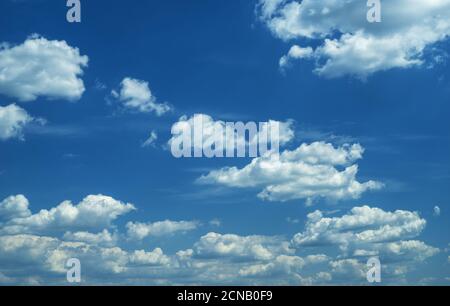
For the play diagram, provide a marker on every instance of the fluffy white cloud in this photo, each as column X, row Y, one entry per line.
column 309, row 172
column 362, row 224
column 348, row 43
column 103, row 238
column 13, row 119
column 14, row 207
column 139, row 231
column 215, row 245
column 367, row 231
column 296, row 52
column 41, row 67
column 94, row 212
column 348, row 268
column 154, row 258
column 136, row 95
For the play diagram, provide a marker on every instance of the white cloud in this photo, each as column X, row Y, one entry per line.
column 139, row 231
column 14, row 207
column 26, row 249
column 41, row 67
column 156, row 257
column 348, row 269
column 296, row 52
column 94, row 212
column 367, row 231
column 309, row 172
column 214, row 245
column 103, row 238
column 362, row 224
column 136, row 95
column 348, row 43
column 13, row 119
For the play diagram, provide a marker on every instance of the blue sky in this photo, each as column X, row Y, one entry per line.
column 221, row 59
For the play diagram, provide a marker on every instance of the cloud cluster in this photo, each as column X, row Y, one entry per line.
column 94, row 212
column 347, row 43
column 41, row 68
column 136, row 95
column 329, row 250
column 317, row 170
column 367, row 231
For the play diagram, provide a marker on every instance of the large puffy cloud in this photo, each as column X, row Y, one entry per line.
column 14, row 207
column 214, row 245
column 348, row 43
column 41, row 67
column 136, row 95
column 51, row 254
column 309, row 172
column 139, row 231
column 13, row 119
column 94, row 212
column 362, row 224
column 367, row 231
column 38, row 245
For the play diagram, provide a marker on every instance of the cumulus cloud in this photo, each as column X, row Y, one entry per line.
column 136, row 95
column 108, row 261
column 13, row 120
column 41, row 68
column 14, row 207
column 42, row 243
column 311, row 171
column 295, row 53
column 103, row 238
column 139, row 231
column 347, row 43
column 367, row 231
column 154, row 258
column 214, row 245
column 94, row 212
